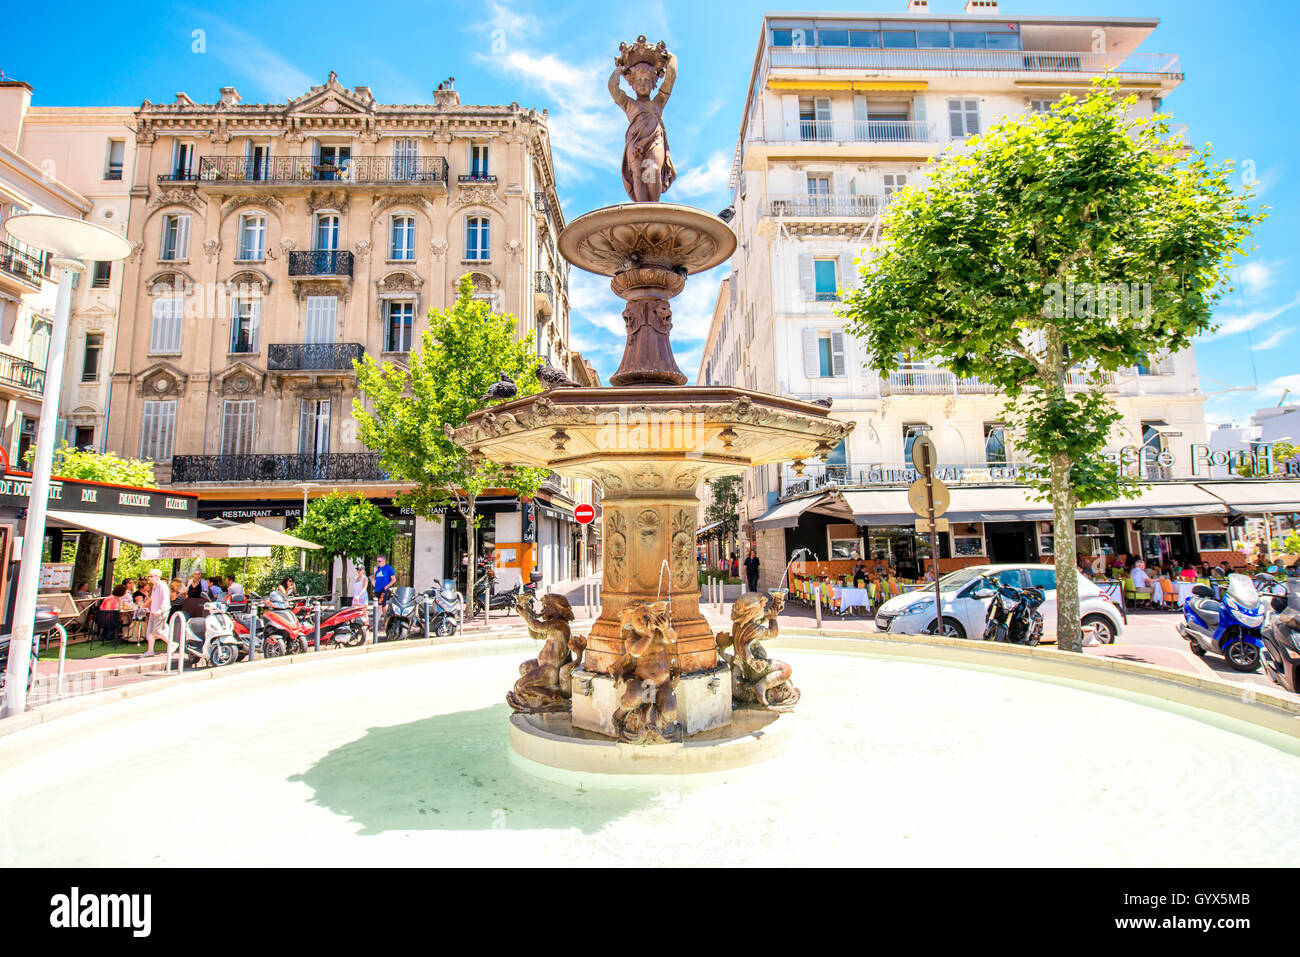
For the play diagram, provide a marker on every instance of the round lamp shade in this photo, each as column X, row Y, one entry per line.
column 68, row 238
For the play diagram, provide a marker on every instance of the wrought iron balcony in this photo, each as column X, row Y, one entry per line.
column 924, row 379
column 826, row 204
column 28, row 266
column 1156, row 65
column 178, row 176
column 320, row 262
column 471, row 178
column 288, row 170
column 544, row 291
column 310, row 356
column 335, row 466
column 21, row 374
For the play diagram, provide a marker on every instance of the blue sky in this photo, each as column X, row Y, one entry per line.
column 1237, row 58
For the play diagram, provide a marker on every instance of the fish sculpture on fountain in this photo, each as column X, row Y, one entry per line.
column 757, row 679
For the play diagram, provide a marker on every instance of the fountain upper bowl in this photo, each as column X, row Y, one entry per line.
column 616, row 238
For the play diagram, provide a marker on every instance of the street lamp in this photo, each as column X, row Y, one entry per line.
column 306, row 487
column 70, row 242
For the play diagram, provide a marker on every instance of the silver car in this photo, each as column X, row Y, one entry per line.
column 966, row 602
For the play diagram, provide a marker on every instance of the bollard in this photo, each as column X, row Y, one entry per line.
column 252, row 632
column 817, row 595
column 63, row 654
column 252, row 635
column 374, row 634
column 426, row 617
column 180, row 635
column 316, row 636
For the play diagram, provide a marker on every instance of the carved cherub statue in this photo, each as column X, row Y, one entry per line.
column 647, row 166
column 546, row 682
column 755, row 678
column 646, row 676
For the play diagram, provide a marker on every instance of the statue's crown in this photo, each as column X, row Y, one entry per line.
column 642, row 52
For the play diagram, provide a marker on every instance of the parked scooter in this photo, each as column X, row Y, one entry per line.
column 401, row 614
column 46, row 620
column 445, row 608
column 1228, row 627
column 507, row 599
column 1280, row 638
column 211, row 637
column 1013, row 616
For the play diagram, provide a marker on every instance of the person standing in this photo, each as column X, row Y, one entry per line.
column 159, row 600
column 751, row 569
column 360, row 585
column 384, row 576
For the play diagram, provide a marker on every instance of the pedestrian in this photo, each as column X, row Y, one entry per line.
column 234, row 591
column 735, row 565
column 360, row 584
column 158, row 603
column 383, row 577
column 176, row 591
column 751, row 569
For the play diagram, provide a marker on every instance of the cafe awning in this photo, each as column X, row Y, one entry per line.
column 139, row 529
column 243, row 534
column 885, row 507
column 1256, row 498
column 784, row 514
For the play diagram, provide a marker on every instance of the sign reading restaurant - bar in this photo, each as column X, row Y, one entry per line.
column 73, row 496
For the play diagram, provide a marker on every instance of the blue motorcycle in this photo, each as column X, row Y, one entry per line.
column 1229, row 626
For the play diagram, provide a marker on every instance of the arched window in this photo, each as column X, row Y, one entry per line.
column 478, row 244
column 327, row 232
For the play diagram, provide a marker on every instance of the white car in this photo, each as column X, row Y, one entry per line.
column 964, row 612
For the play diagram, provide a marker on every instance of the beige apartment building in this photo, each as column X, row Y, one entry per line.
column 842, row 112
column 275, row 243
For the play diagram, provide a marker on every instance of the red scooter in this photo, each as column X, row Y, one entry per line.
column 296, row 627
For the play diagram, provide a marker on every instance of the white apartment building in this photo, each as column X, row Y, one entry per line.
column 843, row 112
column 91, row 149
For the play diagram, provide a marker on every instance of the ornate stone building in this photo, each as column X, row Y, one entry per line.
column 275, row 243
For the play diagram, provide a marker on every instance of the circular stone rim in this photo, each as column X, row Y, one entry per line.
column 671, row 213
column 540, row 746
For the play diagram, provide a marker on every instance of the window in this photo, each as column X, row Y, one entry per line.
column 1153, row 439
column 995, row 444
column 893, row 183
column 175, row 238
column 116, row 159
column 322, row 318
column 933, row 39
column 26, row 437
column 252, row 237
column 83, row 437
column 815, row 119
column 158, row 430
column 1040, row 106
column 402, row 242
column 899, row 39
column 327, row 232
column 478, row 161
column 824, row 282
column 1212, row 541
column 1042, row 576
column 237, row 417
column 819, row 185
column 168, row 316
column 102, row 276
column 397, row 335
column 255, row 161
column 91, row 357
column 910, row 433
column 182, row 160
column 964, row 117
column 38, row 347
column 833, row 38
column 314, row 427
column 245, row 322
column 332, row 161
column 966, row 546
column 477, row 242
column 823, row 353
column 405, row 154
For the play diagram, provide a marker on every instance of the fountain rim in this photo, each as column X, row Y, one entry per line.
column 641, row 215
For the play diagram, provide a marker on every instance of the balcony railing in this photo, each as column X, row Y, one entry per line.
column 21, row 373
column 1087, row 379
column 281, row 170
column 542, row 284
column 826, row 204
column 29, row 266
column 320, row 262
column 310, row 356
column 859, row 131
column 178, row 176
column 983, row 61
column 471, row 178
column 337, row 466
column 922, row 379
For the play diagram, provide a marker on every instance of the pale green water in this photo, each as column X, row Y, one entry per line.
column 896, row 762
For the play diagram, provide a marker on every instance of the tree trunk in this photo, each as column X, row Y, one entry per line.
column 85, row 568
column 1068, row 635
column 470, row 537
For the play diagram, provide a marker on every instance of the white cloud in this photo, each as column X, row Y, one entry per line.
column 1248, row 320
column 1274, row 339
column 244, row 54
column 711, row 178
column 1257, row 276
column 1280, row 385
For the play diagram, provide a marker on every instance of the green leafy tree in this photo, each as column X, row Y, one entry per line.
column 1076, row 241
column 409, row 414
column 86, row 466
column 346, row 524
column 724, row 507
column 1283, row 453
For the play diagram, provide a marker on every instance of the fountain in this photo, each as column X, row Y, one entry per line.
column 650, row 671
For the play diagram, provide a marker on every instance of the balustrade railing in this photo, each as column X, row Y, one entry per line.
column 21, row 373
column 320, row 262
column 308, row 356
column 24, row 264
column 278, row 170
column 826, row 204
column 337, row 466
column 860, row 131
column 986, row 61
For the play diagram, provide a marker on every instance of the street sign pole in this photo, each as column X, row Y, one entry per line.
column 929, row 507
column 934, row 541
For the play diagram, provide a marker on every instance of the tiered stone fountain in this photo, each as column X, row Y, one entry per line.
column 651, row 671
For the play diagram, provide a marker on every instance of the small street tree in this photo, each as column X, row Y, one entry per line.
column 409, row 413
column 87, row 466
column 724, row 507
column 346, row 524
column 1057, row 249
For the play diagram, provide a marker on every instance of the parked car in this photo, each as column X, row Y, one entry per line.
column 964, row 614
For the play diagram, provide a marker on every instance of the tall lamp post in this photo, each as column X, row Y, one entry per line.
column 71, row 242
column 306, row 487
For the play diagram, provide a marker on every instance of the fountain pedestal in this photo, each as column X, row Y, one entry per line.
column 703, row 701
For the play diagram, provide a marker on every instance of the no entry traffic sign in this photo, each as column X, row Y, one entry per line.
column 585, row 514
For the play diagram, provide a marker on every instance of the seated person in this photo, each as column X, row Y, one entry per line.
column 859, row 575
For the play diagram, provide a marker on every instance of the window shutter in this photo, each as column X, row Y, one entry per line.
column 806, row 284
column 848, row 272
column 255, row 324
column 800, row 182
column 859, row 109
column 955, row 126
column 182, row 237
column 837, row 353
column 840, row 183
column 972, row 117
column 811, row 359
column 168, row 315
column 918, row 109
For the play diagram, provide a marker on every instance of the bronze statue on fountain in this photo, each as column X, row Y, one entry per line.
column 545, row 683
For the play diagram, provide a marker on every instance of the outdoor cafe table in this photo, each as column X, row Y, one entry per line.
column 852, row 598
